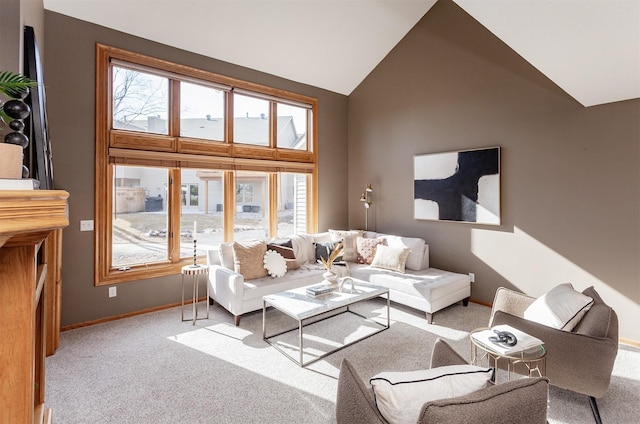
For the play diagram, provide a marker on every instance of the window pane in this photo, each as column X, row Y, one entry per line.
column 201, row 203
column 292, row 127
column 201, row 112
column 250, row 120
column 252, row 206
column 139, row 232
column 140, row 101
column 292, row 204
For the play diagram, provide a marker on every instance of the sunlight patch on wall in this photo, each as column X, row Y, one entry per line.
column 534, row 268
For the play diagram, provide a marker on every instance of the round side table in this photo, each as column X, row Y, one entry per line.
column 195, row 271
column 533, row 359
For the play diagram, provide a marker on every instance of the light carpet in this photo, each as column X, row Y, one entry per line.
column 154, row 368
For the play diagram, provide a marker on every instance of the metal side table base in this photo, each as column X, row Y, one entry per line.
column 195, row 271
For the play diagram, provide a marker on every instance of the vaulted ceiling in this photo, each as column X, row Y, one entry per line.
column 590, row 49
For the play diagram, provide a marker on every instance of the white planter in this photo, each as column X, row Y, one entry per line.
column 10, row 161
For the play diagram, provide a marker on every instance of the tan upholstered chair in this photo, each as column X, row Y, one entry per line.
column 580, row 360
column 518, row 401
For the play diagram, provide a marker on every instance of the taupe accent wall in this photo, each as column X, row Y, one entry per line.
column 570, row 175
column 70, row 81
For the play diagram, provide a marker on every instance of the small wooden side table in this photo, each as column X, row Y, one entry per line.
column 195, row 271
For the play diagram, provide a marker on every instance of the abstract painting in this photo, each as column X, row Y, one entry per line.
column 461, row 186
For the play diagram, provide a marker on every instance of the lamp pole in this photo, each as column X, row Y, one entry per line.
column 364, row 198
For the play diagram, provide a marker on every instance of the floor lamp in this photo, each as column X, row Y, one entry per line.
column 366, row 201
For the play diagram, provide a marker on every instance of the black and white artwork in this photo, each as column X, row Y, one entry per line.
column 459, row 186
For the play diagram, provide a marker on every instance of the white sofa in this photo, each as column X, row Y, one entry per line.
column 420, row 287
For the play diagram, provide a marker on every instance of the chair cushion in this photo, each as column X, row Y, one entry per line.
column 561, row 307
column 400, row 395
column 522, row 400
column 596, row 322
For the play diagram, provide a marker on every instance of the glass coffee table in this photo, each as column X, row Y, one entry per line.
column 533, row 359
column 302, row 307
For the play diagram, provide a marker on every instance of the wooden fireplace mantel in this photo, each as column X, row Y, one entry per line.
column 28, row 214
column 30, row 223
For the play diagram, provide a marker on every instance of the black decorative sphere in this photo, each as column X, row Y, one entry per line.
column 25, row 171
column 16, row 125
column 17, row 109
column 17, row 138
column 23, row 93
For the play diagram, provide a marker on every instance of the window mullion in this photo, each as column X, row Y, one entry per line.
column 273, row 204
column 228, row 119
column 173, row 206
column 273, row 124
column 229, row 204
column 174, row 108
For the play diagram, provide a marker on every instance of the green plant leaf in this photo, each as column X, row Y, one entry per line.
column 14, row 85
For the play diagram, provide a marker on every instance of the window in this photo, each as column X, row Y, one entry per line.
column 190, row 195
column 292, row 124
column 251, row 220
column 250, row 120
column 244, row 193
column 184, row 154
column 140, row 101
column 201, row 209
column 292, row 203
column 139, row 220
column 201, row 112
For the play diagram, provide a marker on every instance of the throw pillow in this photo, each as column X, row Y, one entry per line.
column 303, row 248
column 274, row 263
column 400, row 395
column 286, row 253
column 248, row 259
column 366, row 249
column 393, row 258
column 286, row 242
column 225, row 250
column 561, row 307
column 348, row 238
column 417, row 249
column 323, row 250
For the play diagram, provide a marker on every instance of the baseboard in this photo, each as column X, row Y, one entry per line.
column 628, row 342
column 127, row 315
column 480, row 302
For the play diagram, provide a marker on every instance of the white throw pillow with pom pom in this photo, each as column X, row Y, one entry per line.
column 275, row 263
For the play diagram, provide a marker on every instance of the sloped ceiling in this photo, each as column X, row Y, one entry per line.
column 590, row 49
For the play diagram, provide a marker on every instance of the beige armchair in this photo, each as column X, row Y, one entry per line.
column 581, row 360
column 518, row 401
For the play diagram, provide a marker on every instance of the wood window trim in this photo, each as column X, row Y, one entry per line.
column 123, row 147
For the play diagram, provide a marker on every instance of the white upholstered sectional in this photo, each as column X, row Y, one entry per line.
column 420, row 287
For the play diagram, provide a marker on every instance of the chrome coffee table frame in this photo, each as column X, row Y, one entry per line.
column 302, row 307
